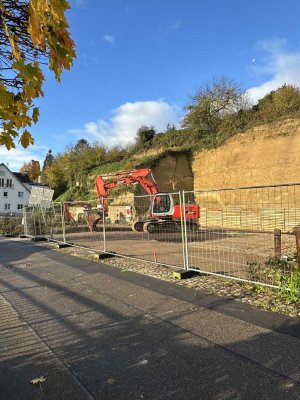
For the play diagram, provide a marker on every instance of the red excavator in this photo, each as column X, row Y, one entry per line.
column 164, row 215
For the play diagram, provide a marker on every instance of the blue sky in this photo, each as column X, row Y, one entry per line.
column 139, row 60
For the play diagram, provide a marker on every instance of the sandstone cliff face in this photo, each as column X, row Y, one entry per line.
column 264, row 155
column 173, row 173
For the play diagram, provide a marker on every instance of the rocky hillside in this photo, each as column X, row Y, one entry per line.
column 268, row 154
column 264, row 155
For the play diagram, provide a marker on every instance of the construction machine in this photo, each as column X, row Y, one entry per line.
column 164, row 214
column 76, row 211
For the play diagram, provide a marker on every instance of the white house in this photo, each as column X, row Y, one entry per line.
column 15, row 188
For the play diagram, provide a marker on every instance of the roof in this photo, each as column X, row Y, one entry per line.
column 23, row 177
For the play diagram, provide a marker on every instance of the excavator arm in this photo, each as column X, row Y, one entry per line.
column 124, row 178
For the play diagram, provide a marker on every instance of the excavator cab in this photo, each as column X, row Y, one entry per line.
column 162, row 205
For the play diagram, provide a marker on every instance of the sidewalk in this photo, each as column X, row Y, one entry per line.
column 96, row 332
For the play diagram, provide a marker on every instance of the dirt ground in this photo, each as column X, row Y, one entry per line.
column 216, row 251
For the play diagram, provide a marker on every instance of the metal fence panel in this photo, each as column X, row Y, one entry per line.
column 44, row 222
column 236, row 234
column 54, row 222
column 82, row 223
column 162, row 244
column 11, row 224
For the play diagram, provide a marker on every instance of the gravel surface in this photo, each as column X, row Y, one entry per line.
column 256, row 295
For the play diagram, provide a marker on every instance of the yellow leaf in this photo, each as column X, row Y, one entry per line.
column 7, row 141
column 35, row 115
column 13, row 44
column 26, row 139
column 38, row 380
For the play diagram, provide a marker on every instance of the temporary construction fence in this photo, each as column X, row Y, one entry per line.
column 11, row 224
column 245, row 233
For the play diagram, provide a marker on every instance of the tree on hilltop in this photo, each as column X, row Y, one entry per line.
column 282, row 102
column 210, row 104
column 145, row 136
column 48, row 160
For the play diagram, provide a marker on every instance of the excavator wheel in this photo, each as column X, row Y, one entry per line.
column 150, row 227
column 138, row 226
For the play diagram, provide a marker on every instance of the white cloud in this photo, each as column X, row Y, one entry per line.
column 282, row 65
column 15, row 158
column 109, row 39
column 127, row 119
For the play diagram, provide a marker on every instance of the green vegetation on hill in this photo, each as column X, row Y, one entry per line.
column 217, row 111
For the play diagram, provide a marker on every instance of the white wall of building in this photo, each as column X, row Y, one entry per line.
column 14, row 195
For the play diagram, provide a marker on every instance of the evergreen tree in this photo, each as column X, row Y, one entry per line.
column 48, row 159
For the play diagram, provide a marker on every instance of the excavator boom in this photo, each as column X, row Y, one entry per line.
column 124, row 178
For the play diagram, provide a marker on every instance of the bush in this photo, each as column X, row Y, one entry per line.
column 281, row 103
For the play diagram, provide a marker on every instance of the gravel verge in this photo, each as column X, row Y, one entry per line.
column 256, row 295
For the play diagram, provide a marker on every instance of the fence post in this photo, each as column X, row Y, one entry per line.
column 277, row 243
column 24, row 221
column 51, row 230
column 185, row 233
column 34, row 221
column 63, row 222
column 182, row 229
column 103, row 226
column 297, row 236
column 40, row 225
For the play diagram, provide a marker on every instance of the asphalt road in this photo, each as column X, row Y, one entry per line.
column 97, row 332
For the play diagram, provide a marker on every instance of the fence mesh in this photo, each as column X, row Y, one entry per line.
column 128, row 235
column 239, row 233
column 11, row 224
column 44, row 222
column 83, row 224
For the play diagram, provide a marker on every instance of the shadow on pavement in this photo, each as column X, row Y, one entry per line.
column 117, row 351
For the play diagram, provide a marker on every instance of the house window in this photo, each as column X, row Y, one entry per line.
column 7, row 206
column 9, row 183
column 1, row 182
column 20, row 206
column 5, row 194
column 20, row 194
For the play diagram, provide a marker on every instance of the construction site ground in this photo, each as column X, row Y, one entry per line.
column 93, row 331
column 216, row 250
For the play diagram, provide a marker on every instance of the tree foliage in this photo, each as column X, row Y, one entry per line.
column 33, row 169
column 81, row 145
column 282, row 102
column 70, row 168
column 48, row 159
column 32, row 32
column 145, row 136
column 211, row 103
